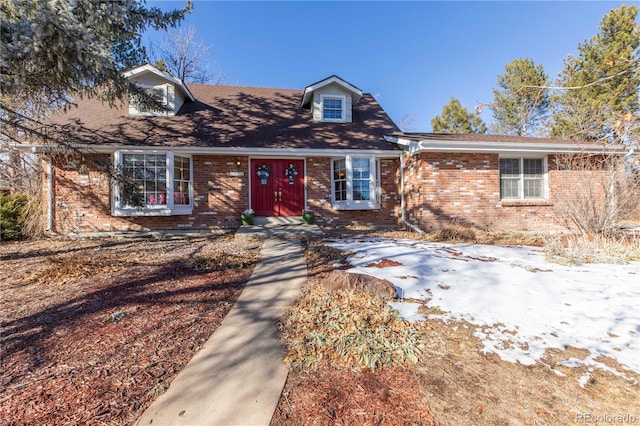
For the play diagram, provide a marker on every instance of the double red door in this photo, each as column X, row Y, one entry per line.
column 277, row 187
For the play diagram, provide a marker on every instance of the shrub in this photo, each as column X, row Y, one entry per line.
column 585, row 248
column 12, row 216
column 456, row 233
column 347, row 329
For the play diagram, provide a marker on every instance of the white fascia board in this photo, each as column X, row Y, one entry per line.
column 255, row 152
column 150, row 68
column 308, row 91
column 415, row 147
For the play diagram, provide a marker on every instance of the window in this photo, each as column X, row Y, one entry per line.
column 522, row 178
column 159, row 94
column 340, row 180
column 355, row 183
column 148, row 173
column 332, row 109
column 155, row 176
column 361, row 179
column 181, row 180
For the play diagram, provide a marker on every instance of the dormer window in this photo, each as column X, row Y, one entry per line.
column 332, row 109
column 169, row 91
column 331, row 99
column 157, row 93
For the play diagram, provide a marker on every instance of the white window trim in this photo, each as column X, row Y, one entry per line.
column 343, row 114
column 170, row 209
column 545, row 177
column 374, row 185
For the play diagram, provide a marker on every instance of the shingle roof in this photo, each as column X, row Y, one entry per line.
column 231, row 116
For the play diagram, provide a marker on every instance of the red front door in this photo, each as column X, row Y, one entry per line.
column 277, row 187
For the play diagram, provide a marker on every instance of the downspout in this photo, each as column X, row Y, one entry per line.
column 49, row 195
column 402, row 200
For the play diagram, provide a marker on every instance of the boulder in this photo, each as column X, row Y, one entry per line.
column 343, row 280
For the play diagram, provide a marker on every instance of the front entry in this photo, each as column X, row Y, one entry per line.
column 277, row 187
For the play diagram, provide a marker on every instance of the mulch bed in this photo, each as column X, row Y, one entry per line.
column 99, row 342
column 332, row 396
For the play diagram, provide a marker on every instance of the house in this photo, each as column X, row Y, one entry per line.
column 330, row 148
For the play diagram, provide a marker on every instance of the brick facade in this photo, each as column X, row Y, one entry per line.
column 319, row 196
column 464, row 188
column 82, row 201
column 440, row 189
column 83, row 198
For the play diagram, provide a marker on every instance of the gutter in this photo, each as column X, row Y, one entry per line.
column 49, row 195
column 413, row 147
column 254, row 152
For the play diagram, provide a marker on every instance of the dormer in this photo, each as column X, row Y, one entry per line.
column 167, row 89
column 331, row 100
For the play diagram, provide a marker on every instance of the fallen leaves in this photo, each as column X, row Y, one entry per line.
column 100, row 328
column 383, row 263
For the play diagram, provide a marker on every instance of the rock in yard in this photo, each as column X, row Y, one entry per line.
column 343, row 280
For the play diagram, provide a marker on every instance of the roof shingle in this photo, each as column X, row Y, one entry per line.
column 230, row 116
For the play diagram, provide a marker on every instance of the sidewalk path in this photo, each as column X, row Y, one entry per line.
column 237, row 378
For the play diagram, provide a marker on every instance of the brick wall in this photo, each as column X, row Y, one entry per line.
column 319, row 196
column 83, row 197
column 446, row 188
column 440, row 189
column 83, row 193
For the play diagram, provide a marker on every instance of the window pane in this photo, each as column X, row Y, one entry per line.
column 148, row 173
column 533, row 187
column 157, row 93
column 181, row 180
column 510, row 167
column 340, row 180
column 509, row 188
column 361, row 179
column 532, row 167
column 340, row 190
column 361, row 190
column 332, row 108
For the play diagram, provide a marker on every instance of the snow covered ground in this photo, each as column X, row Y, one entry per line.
column 521, row 303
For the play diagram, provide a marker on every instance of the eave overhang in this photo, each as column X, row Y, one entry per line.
column 308, row 91
column 165, row 75
column 255, row 152
column 415, row 147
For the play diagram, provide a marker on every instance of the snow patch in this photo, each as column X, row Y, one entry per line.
column 520, row 303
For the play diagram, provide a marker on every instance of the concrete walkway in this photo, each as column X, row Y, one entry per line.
column 237, row 378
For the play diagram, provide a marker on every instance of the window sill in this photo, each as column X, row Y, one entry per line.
column 356, row 206
column 525, row 203
column 133, row 212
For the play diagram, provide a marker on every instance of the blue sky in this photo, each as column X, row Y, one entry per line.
column 413, row 56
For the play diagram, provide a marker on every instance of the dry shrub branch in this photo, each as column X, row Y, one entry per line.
column 347, row 329
column 605, row 191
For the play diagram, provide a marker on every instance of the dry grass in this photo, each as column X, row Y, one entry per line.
column 579, row 249
column 63, row 269
column 347, row 329
column 454, row 381
column 455, row 233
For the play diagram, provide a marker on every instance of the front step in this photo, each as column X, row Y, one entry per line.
column 278, row 220
column 278, row 228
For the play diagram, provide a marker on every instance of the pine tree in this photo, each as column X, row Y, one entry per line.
column 521, row 100
column 51, row 51
column 456, row 119
column 601, row 83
